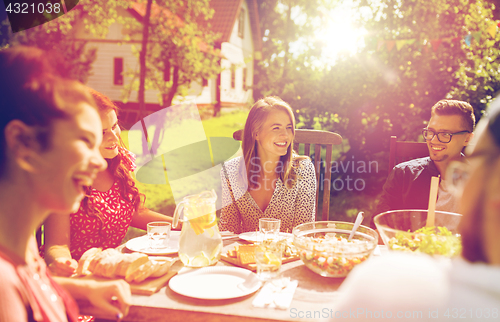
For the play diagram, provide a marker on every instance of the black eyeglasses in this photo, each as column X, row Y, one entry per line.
column 443, row 137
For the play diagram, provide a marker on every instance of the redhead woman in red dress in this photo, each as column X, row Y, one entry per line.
column 112, row 204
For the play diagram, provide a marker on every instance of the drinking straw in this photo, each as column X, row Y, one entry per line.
column 432, row 201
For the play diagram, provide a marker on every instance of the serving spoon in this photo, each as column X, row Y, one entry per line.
column 358, row 221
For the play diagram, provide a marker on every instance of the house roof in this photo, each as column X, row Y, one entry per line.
column 226, row 14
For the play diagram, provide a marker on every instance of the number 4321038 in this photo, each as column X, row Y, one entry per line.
column 33, row 8
column 479, row 313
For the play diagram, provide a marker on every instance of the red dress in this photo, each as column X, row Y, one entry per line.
column 116, row 213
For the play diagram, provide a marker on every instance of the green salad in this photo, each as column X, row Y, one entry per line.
column 429, row 240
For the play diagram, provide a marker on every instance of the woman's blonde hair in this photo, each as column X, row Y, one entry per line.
column 256, row 118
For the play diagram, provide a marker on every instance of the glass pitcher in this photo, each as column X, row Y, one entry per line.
column 200, row 243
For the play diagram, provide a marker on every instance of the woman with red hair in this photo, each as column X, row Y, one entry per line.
column 110, row 206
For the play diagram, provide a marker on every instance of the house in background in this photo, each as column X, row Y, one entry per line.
column 240, row 43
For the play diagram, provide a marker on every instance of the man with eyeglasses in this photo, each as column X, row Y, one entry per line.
column 449, row 130
column 419, row 288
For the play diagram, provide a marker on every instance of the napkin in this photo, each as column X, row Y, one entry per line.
column 276, row 294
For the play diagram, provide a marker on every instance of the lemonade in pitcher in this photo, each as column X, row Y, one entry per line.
column 200, row 243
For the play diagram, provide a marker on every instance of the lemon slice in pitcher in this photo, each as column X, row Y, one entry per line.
column 200, row 260
column 184, row 259
column 201, row 223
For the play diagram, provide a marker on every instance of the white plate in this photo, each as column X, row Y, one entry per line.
column 251, row 236
column 215, row 283
column 141, row 244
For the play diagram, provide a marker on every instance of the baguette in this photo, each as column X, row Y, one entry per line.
column 141, row 273
column 107, row 266
column 84, row 262
column 129, row 263
column 147, row 272
column 110, row 263
column 164, row 264
column 100, row 256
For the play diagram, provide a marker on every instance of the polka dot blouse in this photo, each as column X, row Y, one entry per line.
column 90, row 231
column 240, row 213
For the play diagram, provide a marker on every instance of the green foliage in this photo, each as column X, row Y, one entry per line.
column 159, row 197
column 181, row 48
column 282, row 23
column 377, row 93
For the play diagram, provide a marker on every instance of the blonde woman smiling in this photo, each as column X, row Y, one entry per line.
column 270, row 180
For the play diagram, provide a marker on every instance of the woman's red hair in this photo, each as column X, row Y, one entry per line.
column 118, row 166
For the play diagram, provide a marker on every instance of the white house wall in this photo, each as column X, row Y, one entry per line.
column 199, row 94
column 237, row 52
column 102, row 73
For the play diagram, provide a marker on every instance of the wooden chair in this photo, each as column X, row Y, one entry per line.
column 320, row 139
column 401, row 151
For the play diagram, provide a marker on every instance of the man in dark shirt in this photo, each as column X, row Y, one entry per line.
column 448, row 132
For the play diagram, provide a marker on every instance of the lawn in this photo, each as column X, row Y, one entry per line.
column 160, row 196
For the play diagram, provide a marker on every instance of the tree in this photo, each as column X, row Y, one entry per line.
column 143, row 67
column 180, row 47
column 378, row 93
column 282, row 23
column 180, row 44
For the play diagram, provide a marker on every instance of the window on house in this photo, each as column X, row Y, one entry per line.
column 233, row 76
column 118, row 71
column 241, row 23
column 244, row 79
column 204, row 82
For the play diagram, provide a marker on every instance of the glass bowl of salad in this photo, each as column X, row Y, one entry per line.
column 405, row 230
column 324, row 247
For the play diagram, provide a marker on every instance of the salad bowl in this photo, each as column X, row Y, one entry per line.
column 324, row 248
column 405, row 230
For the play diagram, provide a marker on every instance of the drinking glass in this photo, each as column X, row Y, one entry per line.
column 269, row 228
column 268, row 258
column 159, row 234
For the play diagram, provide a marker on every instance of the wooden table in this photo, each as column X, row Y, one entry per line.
column 314, row 298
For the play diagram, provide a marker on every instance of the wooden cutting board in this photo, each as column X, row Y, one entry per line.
column 148, row 286
column 151, row 285
column 253, row 267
